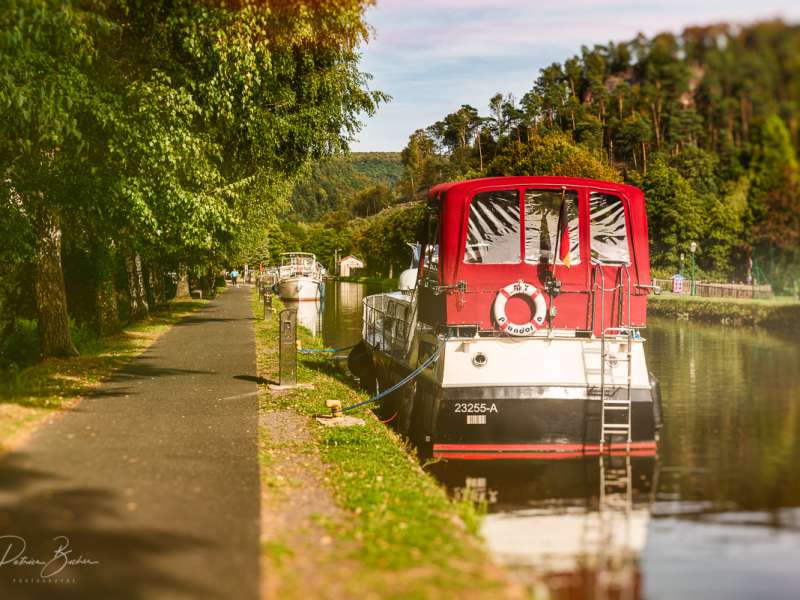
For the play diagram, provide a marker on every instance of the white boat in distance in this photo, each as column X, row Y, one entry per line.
column 300, row 276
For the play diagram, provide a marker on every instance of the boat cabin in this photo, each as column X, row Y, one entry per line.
column 531, row 256
column 298, row 263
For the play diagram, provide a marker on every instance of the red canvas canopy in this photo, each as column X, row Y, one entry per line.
column 496, row 231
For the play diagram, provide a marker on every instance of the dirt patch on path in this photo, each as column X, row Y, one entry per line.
column 301, row 558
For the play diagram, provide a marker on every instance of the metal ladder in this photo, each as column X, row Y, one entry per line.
column 616, row 411
column 615, row 420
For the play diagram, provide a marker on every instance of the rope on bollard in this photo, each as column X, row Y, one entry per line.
column 325, row 350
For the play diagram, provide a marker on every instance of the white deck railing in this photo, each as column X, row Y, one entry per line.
column 387, row 323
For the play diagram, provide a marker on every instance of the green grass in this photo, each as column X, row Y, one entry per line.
column 30, row 394
column 401, row 524
column 776, row 301
column 775, row 313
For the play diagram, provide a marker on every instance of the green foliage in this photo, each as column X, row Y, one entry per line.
column 331, row 184
column 551, row 154
column 172, row 130
column 673, row 213
column 707, row 121
column 19, row 345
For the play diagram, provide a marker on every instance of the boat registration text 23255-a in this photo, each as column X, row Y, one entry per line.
column 475, row 407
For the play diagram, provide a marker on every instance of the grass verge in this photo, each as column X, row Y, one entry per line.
column 30, row 394
column 402, row 537
column 778, row 313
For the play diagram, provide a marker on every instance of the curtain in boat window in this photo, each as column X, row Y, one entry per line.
column 542, row 208
column 608, row 232
column 493, row 229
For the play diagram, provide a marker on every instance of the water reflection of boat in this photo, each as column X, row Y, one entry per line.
column 309, row 314
column 566, row 529
column 349, row 296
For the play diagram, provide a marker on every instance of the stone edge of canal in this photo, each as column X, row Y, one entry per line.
column 399, row 526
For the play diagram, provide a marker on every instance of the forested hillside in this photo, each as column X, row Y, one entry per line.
column 705, row 122
column 334, row 183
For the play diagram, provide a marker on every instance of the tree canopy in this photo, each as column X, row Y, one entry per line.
column 161, row 134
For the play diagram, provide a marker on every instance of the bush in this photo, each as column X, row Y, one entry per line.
column 85, row 338
column 20, row 344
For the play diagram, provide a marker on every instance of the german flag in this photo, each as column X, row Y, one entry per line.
column 563, row 233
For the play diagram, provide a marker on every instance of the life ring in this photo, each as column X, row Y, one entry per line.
column 520, row 288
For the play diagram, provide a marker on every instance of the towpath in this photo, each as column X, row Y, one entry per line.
column 152, row 480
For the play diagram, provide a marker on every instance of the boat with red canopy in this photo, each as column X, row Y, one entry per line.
column 524, row 318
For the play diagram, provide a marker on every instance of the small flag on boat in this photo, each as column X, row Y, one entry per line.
column 563, row 232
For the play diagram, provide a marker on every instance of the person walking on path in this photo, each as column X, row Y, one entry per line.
column 235, row 277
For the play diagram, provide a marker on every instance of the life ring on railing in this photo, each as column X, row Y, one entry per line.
column 520, row 288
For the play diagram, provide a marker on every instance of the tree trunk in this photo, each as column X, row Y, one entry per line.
column 182, row 290
column 136, row 291
column 156, row 285
column 51, row 296
column 644, row 158
column 107, row 314
column 480, row 150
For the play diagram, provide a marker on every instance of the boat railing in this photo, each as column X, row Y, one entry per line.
column 313, row 269
column 387, row 324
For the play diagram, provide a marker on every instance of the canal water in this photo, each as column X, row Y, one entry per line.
column 715, row 515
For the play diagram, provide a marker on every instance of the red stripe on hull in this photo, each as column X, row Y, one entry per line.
column 536, row 455
column 645, row 445
column 540, row 451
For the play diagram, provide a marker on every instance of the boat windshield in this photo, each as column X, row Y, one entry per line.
column 607, row 226
column 305, row 261
column 494, row 228
column 542, row 214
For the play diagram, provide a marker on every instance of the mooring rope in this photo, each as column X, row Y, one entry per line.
column 429, row 361
column 325, row 350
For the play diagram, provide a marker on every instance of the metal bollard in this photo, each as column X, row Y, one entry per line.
column 288, row 348
column 267, row 299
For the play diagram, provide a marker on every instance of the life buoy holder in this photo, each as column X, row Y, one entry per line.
column 519, row 288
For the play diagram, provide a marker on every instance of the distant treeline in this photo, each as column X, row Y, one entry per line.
column 360, row 183
column 705, row 122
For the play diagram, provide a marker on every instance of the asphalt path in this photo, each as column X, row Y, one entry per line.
column 150, row 485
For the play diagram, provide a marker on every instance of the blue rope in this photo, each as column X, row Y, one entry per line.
column 430, row 360
column 325, row 350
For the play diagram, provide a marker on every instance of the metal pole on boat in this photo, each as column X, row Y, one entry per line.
column 287, row 342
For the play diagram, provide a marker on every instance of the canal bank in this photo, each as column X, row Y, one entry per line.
column 777, row 314
column 382, row 282
column 349, row 512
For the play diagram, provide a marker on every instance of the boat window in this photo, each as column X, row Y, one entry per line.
column 430, row 261
column 493, row 229
column 542, row 214
column 609, row 235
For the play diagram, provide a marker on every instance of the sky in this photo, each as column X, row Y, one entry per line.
column 432, row 56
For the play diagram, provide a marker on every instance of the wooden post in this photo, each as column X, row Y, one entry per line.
column 288, row 348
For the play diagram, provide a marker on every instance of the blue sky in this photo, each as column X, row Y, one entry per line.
column 432, row 56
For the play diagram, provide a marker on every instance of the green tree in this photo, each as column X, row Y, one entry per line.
column 551, row 154
column 674, row 214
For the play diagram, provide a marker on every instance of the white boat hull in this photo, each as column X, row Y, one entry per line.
column 299, row 288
